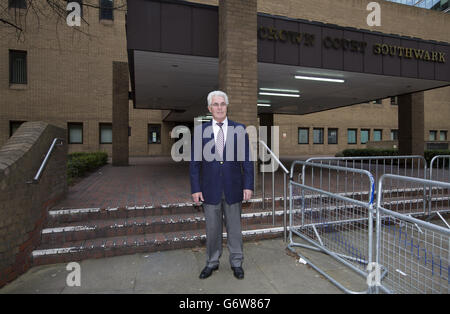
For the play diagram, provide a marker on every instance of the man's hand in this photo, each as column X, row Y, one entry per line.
column 247, row 194
column 197, row 197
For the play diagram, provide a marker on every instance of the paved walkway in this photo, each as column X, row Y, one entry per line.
column 146, row 181
column 268, row 270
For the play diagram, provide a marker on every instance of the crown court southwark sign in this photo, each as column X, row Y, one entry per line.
column 328, row 42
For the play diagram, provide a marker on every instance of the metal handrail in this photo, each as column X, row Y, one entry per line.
column 432, row 163
column 44, row 162
column 274, row 156
column 285, row 173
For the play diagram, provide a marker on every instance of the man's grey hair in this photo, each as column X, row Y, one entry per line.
column 216, row 93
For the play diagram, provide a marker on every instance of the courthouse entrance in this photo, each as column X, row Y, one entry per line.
column 179, row 51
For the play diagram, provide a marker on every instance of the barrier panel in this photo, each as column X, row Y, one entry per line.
column 411, row 166
column 439, row 197
column 399, row 197
column 414, row 253
column 337, row 224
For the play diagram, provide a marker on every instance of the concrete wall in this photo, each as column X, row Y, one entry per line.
column 23, row 206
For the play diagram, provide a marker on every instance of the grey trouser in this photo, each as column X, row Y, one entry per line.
column 214, row 230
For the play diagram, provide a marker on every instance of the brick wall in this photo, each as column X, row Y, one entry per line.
column 363, row 116
column 23, row 206
column 238, row 68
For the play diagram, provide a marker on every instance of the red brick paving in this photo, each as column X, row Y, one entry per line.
column 146, row 181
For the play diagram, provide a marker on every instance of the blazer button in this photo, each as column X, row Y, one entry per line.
column 221, row 162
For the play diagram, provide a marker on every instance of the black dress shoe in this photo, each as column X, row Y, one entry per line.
column 207, row 271
column 238, row 272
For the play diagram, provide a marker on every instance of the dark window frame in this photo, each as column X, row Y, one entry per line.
column 435, row 135
column 322, row 137
column 337, row 135
column 17, row 4
column 69, row 124
column 377, row 101
column 394, row 101
column 356, row 136
column 443, row 132
column 307, row 138
column 11, row 123
column 100, row 125
column 106, row 12
column 158, row 137
column 394, row 131
column 13, row 56
column 368, row 135
column 381, row 134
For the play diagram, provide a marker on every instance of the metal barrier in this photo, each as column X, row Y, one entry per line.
column 439, row 198
column 412, row 166
column 414, row 253
column 440, row 168
column 398, row 198
column 338, row 224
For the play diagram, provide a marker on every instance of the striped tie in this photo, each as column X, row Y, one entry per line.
column 219, row 141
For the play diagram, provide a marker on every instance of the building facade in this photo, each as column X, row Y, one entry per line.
column 63, row 75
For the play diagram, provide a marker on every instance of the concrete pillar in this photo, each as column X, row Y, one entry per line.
column 120, row 150
column 411, row 124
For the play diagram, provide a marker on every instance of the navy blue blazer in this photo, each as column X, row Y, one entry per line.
column 231, row 175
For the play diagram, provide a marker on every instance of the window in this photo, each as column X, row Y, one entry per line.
column 365, row 136
column 394, row 101
column 154, row 134
column 433, row 136
column 318, row 135
column 18, row 4
column 17, row 67
column 332, row 136
column 377, row 135
column 106, row 10
column 105, row 133
column 75, row 132
column 351, row 136
column 394, row 135
column 378, row 101
column 13, row 126
column 303, row 135
column 443, row 136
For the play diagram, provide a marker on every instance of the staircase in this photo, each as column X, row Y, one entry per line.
column 78, row 234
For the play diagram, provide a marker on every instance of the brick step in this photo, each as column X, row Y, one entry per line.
column 78, row 231
column 63, row 216
column 142, row 243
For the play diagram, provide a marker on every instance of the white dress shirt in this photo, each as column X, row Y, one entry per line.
column 216, row 129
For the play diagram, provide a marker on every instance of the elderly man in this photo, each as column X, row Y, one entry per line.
column 222, row 182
